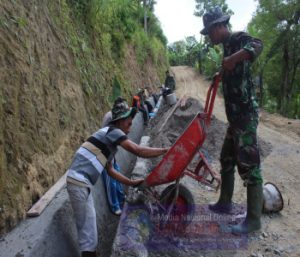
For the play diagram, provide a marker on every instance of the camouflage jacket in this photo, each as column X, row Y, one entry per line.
column 238, row 89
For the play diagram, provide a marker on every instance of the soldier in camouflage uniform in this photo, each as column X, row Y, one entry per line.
column 240, row 146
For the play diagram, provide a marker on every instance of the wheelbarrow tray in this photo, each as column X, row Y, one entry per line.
column 175, row 161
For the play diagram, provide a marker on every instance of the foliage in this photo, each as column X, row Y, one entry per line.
column 277, row 24
column 177, row 53
column 142, row 45
column 149, row 4
column 276, row 71
column 198, row 54
column 212, row 61
column 98, row 32
column 116, row 89
column 204, row 5
column 154, row 29
column 201, row 54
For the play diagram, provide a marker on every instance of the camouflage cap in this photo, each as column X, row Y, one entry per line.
column 122, row 111
column 213, row 16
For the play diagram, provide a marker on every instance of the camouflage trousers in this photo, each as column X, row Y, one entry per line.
column 240, row 148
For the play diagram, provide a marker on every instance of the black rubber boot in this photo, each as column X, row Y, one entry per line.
column 254, row 209
column 224, row 204
column 88, row 254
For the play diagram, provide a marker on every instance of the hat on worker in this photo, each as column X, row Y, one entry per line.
column 140, row 91
column 213, row 16
column 121, row 111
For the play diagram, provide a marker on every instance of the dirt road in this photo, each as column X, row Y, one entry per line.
column 280, row 233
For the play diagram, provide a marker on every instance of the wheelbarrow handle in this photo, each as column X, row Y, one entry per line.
column 217, row 78
column 211, row 95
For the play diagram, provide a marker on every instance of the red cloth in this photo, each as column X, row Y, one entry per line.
column 136, row 102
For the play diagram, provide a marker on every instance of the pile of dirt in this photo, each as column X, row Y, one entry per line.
column 164, row 129
column 287, row 126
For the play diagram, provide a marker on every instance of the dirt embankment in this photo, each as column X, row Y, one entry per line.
column 45, row 112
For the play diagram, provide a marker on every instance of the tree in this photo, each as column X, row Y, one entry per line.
column 148, row 5
column 203, row 6
column 177, row 53
column 209, row 57
column 277, row 24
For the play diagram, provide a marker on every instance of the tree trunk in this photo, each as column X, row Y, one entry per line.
column 285, row 79
column 261, row 89
column 145, row 15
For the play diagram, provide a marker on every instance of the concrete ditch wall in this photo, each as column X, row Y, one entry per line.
column 134, row 227
column 53, row 233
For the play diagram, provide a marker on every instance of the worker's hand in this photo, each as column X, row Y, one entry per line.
column 166, row 149
column 229, row 63
column 136, row 182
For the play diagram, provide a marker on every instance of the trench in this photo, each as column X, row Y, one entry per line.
column 106, row 239
column 53, row 233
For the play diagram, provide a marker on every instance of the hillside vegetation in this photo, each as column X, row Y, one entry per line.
column 61, row 65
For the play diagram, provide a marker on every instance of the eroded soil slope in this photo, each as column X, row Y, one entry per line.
column 45, row 109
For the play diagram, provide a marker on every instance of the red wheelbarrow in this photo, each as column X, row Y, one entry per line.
column 176, row 199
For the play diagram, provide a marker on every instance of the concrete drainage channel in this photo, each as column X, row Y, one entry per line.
column 53, row 233
column 134, row 226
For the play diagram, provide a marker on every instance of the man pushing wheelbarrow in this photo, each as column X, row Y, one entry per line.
column 240, row 146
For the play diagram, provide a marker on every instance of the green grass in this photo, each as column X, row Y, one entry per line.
column 97, row 33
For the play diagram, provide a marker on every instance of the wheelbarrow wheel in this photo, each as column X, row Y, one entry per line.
column 183, row 207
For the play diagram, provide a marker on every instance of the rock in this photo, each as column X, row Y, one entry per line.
column 256, row 255
column 264, row 234
column 277, row 251
column 280, row 248
column 275, row 236
column 268, row 249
